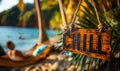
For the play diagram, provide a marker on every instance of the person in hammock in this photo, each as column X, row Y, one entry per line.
column 18, row 55
column 14, row 54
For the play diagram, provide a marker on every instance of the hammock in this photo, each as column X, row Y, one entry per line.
column 5, row 61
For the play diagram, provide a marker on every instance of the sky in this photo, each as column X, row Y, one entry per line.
column 6, row 4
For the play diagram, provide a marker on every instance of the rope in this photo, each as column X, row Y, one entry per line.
column 100, row 26
column 74, row 17
column 62, row 11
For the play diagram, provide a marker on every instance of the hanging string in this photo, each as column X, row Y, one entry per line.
column 74, row 17
column 62, row 11
column 100, row 26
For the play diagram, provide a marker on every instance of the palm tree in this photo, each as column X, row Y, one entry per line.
column 41, row 22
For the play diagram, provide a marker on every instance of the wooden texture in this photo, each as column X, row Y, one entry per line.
column 88, row 42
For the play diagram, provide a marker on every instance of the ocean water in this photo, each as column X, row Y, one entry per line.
column 23, row 38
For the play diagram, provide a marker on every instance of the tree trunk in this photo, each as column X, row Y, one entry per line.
column 41, row 23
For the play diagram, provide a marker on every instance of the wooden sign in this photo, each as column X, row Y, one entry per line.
column 88, row 42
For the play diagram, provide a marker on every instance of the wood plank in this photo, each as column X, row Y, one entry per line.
column 88, row 42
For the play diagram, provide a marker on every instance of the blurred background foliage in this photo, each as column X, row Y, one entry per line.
column 27, row 18
column 24, row 15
